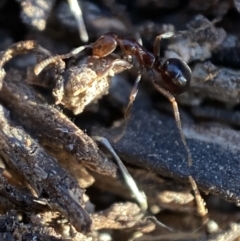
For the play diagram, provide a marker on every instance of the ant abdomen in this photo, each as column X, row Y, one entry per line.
column 176, row 75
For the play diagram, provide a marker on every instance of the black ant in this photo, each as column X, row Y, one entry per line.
column 176, row 74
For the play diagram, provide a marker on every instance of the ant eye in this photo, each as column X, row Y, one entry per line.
column 176, row 75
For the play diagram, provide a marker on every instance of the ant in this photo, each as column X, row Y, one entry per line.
column 175, row 73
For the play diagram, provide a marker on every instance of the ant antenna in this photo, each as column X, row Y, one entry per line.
column 51, row 60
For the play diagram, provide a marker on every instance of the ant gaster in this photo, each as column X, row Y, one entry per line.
column 175, row 73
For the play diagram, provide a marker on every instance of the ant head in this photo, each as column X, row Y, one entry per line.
column 176, row 75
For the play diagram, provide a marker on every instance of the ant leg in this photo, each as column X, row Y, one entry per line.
column 138, row 195
column 171, row 98
column 171, row 34
column 132, row 97
column 156, row 46
column 133, row 94
column 202, row 210
column 42, row 65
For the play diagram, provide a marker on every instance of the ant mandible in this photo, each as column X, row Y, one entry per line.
column 175, row 73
